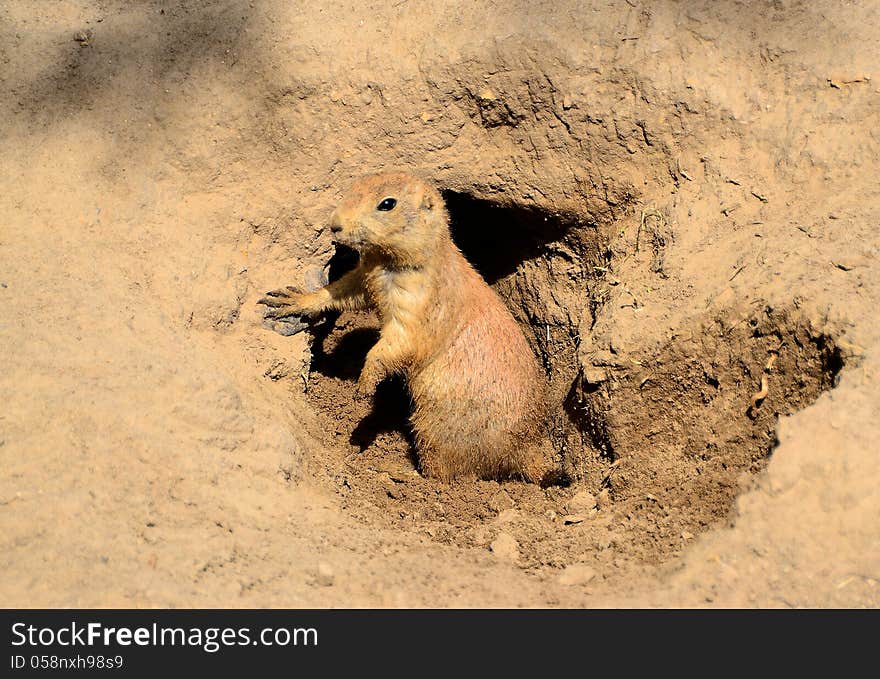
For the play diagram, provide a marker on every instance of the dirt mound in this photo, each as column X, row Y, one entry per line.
column 676, row 201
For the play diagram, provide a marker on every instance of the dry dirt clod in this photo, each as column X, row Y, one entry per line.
column 397, row 473
column 505, row 546
column 507, row 516
column 577, row 574
column 501, row 501
column 481, row 535
column 603, row 500
column 582, row 501
column 593, row 375
column 324, row 575
column 388, row 484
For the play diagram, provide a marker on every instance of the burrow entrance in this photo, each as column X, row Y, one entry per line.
column 658, row 441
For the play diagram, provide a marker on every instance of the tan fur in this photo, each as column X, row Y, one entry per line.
column 478, row 393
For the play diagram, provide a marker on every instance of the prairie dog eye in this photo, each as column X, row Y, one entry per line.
column 387, row 204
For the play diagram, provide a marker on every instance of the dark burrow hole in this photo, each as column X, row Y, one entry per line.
column 497, row 239
column 687, row 424
column 665, row 423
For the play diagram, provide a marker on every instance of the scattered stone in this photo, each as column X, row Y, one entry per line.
column 287, row 326
column 507, row 516
column 603, row 500
column 398, row 473
column 594, row 375
column 582, row 501
column 315, row 277
column 501, row 501
column 505, row 547
column 576, row 574
column 687, row 535
column 324, row 575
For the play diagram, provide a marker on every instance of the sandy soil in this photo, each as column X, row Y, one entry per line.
column 677, row 200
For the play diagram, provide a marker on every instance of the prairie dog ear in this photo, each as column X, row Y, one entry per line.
column 429, row 200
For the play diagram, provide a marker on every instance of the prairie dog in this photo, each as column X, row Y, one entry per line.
column 478, row 392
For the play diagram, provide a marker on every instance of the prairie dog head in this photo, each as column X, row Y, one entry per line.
column 395, row 216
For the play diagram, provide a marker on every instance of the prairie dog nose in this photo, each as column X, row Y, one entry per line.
column 335, row 228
